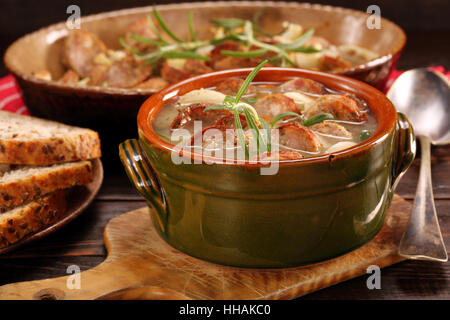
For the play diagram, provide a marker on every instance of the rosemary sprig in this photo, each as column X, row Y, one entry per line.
column 282, row 50
column 232, row 37
column 230, row 23
column 184, row 55
column 244, row 54
column 187, row 49
column 268, row 129
column 297, row 43
column 248, row 30
column 164, row 137
column 163, row 26
column 256, row 124
column 247, row 83
column 308, row 49
column 251, row 100
column 249, row 117
column 191, row 26
column 318, row 118
column 147, row 41
column 283, row 115
column 124, row 44
column 179, row 50
column 155, row 30
column 237, row 107
column 240, row 132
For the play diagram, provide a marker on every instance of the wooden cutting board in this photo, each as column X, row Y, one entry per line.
column 139, row 260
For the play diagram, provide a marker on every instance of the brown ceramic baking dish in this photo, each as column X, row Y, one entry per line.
column 107, row 109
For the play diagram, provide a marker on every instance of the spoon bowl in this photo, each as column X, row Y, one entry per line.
column 424, row 97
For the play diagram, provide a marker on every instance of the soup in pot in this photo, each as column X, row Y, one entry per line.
column 296, row 119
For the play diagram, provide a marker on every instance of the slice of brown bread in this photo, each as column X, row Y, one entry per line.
column 32, row 217
column 21, row 184
column 32, row 141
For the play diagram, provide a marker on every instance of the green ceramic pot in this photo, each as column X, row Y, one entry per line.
column 312, row 210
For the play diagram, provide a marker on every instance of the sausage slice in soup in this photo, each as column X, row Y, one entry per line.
column 342, row 107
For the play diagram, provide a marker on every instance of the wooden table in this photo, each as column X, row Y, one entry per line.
column 81, row 242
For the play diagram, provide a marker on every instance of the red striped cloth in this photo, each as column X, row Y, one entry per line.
column 11, row 97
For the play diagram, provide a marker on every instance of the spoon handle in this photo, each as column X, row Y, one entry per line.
column 422, row 239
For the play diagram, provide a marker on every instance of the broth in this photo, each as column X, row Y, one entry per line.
column 351, row 122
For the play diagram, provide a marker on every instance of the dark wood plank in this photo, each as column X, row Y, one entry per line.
column 50, row 257
column 440, row 176
column 83, row 237
column 406, row 280
column 17, row 270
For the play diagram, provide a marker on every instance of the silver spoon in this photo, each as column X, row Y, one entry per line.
column 424, row 96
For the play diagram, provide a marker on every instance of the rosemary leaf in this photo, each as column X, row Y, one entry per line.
column 230, row 23
column 251, row 100
column 275, row 58
column 248, row 80
column 146, row 41
column 240, row 132
column 228, row 101
column 244, row 54
column 268, row 130
column 184, row 55
column 308, row 49
column 318, row 118
column 155, row 30
column 150, row 55
column 298, row 43
column 254, row 129
column 191, row 26
column 283, row 115
column 216, row 107
column 152, row 60
column 292, row 62
column 163, row 26
column 124, row 44
column 164, row 137
column 233, row 37
column 252, row 41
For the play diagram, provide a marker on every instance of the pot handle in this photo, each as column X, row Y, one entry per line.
column 143, row 176
column 404, row 148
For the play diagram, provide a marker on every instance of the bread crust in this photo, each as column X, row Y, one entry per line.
column 46, row 151
column 32, row 217
column 17, row 192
